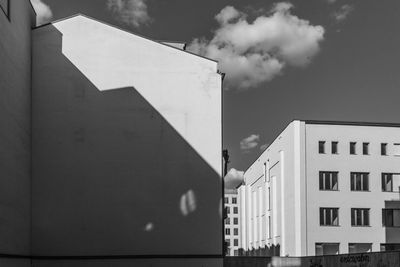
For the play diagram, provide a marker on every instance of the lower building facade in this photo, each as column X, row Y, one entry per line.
column 231, row 223
column 324, row 188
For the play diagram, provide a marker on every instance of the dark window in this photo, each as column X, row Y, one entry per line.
column 387, row 182
column 321, row 147
column 228, row 242
column 329, row 216
column 227, row 221
column 391, row 217
column 235, row 221
column 235, row 210
column 334, row 147
column 353, row 148
column 5, row 7
column 365, row 148
column 359, row 181
column 234, row 200
column 390, row 247
column 236, row 231
column 227, row 231
column 228, row 210
column 359, row 217
column 384, row 149
column 226, row 200
column 236, row 242
column 326, row 249
column 328, row 181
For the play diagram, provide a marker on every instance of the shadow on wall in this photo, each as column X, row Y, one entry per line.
column 110, row 175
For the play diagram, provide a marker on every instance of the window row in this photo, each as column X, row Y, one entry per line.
column 235, row 242
column 333, row 248
column 359, row 181
column 235, row 231
column 235, row 221
column 235, row 210
column 234, row 200
column 353, row 148
column 359, row 217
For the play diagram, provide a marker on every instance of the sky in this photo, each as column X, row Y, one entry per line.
column 284, row 60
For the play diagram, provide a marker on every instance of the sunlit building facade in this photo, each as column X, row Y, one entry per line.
column 232, row 223
column 324, row 188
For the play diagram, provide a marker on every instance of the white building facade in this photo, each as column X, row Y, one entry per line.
column 324, row 188
column 232, row 223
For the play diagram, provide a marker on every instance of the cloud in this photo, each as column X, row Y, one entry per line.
column 254, row 52
column 130, row 12
column 331, row 1
column 233, row 178
column 264, row 146
column 188, row 203
column 43, row 12
column 149, row 227
column 343, row 13
column 249, row 143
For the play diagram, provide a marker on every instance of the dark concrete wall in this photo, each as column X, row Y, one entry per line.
column 105, row 164
column 15, row 127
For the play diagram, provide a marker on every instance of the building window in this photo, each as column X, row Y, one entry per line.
column 227, row 221
column 235, row 221
column 328, row 180
column 326, row 249
column 227, row 231
column 384, row 149
column 228, row 210
column 235, row 242
column 226, row 200
column 269, row 227
column 334, row 147
column 391, row 217
column 390, row 182
column 235, row 210
column 5, row 7
column 234, row 201
column 353, row 148
column 321, row 147
column 236, row 231
column 360, row 247
column 390, row 247
column 365, row 148
column 359, row 217
column 228, row 242
column 329, row 216
column 359, row 181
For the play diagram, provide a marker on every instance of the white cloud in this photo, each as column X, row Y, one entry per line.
column 250, row 142
column 188, row 203
column 331, row 1
column 233, row 178
column 130, row 12
column 43, row 12
column 149, row 227
column 254, row 52
column 343, row 13
column 264, row 146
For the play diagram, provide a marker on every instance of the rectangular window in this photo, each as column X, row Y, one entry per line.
column 359, row 217
column 226, row 200
column 228, row 210
column 390, row 247
column 390, row 182
column 391, row 217
column 384, row 149
column 234, row 200
column 321, row 147
column 269, row 227
column 365, row 148
column 235, row 210
column 4, row 6
column 236, row 242
column 236, row 231
column 334, row 147
column 359, row 181
column 353, row 148
column 328, row 180
column 360, row 247
column 396, row 149
column 227, row 231
column 326, row 249
column 235, row 221
column 227, row 221
column 329, row 216
column 228, row 243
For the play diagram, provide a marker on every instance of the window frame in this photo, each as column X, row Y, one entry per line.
column 365, row 148
column 334, row 147
column 384, row 217
column 384, row 151
column 353, row 145
column 354, row 175
column 331, row 211
column 391, row 174
column 321, row 147
column 354, row 217
column 234, row 200
column 332, row 175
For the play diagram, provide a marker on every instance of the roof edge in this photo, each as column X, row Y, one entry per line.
column 119, row 28
column 353, row 123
